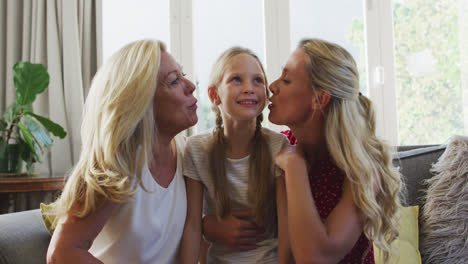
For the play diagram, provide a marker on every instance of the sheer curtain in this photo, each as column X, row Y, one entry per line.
column 64, row 36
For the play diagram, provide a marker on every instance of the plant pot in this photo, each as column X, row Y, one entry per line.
column 10, row 161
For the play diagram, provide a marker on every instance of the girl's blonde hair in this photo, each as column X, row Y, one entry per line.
column 351, row 140
column 261, row 190
column 118, row 126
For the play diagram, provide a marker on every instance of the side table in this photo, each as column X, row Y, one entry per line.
column 14, row 188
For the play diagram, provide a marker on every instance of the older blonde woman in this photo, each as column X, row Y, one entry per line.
column 125, row 200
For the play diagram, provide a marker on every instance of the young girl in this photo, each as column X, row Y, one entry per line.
column 342, row 190
column 232, row 166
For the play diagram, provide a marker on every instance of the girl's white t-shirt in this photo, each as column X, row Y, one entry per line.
column 148, row 228
column 196, row 166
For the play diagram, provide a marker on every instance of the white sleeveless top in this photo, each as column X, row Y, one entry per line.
column 148, row 228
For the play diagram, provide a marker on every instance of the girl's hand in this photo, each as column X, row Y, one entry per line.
column 233, row 231
column 290, row 156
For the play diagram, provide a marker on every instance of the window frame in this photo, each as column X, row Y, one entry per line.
column 379, row 52
column 380, row 56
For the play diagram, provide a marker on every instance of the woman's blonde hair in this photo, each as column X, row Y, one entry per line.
column 118, row 126
column 351, row 140
column 261, row 191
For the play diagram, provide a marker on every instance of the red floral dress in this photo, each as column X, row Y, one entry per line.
column 326, row 181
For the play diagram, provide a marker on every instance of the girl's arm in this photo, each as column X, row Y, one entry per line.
column 74, row 236
column 312, row 241
column 190, row 248
column 233, row 231
column 284, row 247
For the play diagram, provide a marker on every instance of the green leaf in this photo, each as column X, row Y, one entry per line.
column 3, row 125
column 30, row 79
column 38, row 132
column 51, row 126
column 29, row 139
column 27, row 107
column 11, row 112
column 26, row 154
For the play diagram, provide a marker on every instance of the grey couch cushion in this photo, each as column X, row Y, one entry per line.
column 415, row 164
column 23, row 238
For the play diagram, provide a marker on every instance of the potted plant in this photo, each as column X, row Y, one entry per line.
column 23, row 135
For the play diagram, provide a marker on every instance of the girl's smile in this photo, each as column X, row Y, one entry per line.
column 248, row 102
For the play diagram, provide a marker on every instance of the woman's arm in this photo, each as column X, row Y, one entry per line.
column 312, row 241
column 284, row 247
column 74, row 236
column 191, row 238
column 234, row 231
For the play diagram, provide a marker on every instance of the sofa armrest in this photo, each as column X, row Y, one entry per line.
column 23, row 238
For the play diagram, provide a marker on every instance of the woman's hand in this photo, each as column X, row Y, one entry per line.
column 234, row 231
column 290, row 156
column 311, row 239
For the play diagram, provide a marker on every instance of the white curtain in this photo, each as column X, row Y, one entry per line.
column 64, row 35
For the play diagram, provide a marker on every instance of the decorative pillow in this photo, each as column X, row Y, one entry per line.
column 407, row 243
column 47, row 218
column 444, row 218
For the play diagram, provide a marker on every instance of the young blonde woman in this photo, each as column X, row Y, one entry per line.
column 125, row 200
column 342, row 190
column 231, row 168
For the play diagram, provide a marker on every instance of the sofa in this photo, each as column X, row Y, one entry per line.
column 24, row 239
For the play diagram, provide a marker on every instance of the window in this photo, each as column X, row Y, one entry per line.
column 125, row 21
column 341, row 22
column 217, row 26
column 412, row 55
column 430, row 58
